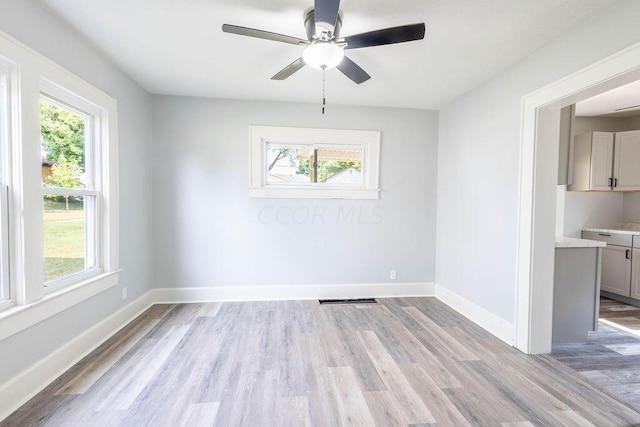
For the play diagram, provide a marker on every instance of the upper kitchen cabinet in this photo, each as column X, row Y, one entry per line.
column 606, row 161
column 592, row 162
column 626, row 166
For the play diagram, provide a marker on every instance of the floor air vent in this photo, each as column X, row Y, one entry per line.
column 349, row 301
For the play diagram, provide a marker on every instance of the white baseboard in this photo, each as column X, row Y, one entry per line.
column 18, row 390
column 292, row 292
column 490, row 322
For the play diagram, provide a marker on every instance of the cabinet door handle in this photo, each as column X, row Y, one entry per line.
column 610, row 182
column 615, row 182
column 628, row 254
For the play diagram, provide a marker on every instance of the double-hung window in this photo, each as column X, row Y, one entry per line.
column 58, row 189
column 77, row 185
column 70, row 190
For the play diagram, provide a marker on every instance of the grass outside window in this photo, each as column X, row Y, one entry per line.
column 64, row 238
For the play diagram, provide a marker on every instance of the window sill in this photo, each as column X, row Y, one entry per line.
column 312, row 193
column 18, row 318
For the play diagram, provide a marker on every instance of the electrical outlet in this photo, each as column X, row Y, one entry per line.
column 124, row 293
column 392, row 275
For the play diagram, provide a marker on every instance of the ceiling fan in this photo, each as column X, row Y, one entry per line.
column 324, row 48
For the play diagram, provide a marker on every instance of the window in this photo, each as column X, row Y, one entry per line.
column 70, row 191
column 314, row 163
column 75, row 174
column 58, row 189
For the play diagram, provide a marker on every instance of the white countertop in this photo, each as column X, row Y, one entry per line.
column 624, row 228
column 572, row 242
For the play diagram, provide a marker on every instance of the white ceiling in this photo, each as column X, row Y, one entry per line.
column 177, row 46
column 623, row 101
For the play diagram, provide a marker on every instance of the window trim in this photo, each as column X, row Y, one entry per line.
column 5, row 284
column 259, row 136
column 30, row 302
column 100, row 109
column 5, row 132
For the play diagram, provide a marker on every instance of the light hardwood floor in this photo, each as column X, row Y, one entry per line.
column 407, row 361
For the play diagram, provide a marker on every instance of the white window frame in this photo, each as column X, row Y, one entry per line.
column 6, row 77
column 31, row 301
column 53, row 94
column 369, row 141
column 5, row 288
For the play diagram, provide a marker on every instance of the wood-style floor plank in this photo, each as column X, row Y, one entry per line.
column 101, row 364
column 351, row 404
column 402, row 393
column 127, row 390
column 405, row 361
column 199, row 414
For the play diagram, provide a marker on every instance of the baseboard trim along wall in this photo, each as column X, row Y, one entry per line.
column 490, row 322
column 292, row 292
column 18, row 390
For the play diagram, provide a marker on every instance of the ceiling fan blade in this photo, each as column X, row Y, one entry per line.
column 404, row 33
column 261, row 34
column 287, row 71
column 353, row 71
column 326, row 11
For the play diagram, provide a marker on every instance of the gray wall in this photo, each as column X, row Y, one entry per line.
column 208, row 232
column 479, row 155
column 599, row 124
column 41, row 30
column 632, row 123
column 587, row 209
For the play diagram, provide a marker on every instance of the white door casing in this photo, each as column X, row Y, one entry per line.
column 533, row 331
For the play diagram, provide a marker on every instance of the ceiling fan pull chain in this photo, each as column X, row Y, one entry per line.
column 324, row 101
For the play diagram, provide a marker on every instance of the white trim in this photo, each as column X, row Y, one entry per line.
column 312, row 193
column 59, row 191
column 18, row 390
column 21, row 317
column 291, row 292
column 533, row 333
column 31, row 74
column 259, row 136
column 5, row 289
column 493, row 324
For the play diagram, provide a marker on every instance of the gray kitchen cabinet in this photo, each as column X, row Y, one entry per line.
column 606, row 161
column 620, row 261
column 626, row 166
column 576, row 294
column 592, row 162
column 635, row 268
column 616, row 270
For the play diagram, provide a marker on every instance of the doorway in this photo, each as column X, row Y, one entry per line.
column 537, row 203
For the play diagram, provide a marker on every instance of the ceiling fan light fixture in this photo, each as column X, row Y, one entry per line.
column 323, row 55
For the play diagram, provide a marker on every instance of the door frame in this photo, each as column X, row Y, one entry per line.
column 536, row 224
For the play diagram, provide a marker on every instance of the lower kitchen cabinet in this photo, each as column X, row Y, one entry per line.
column 616, row 270
column 620, row 263
column 635, row 268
